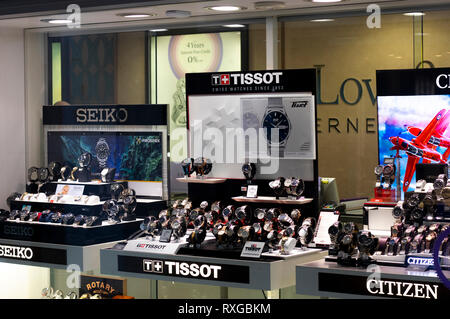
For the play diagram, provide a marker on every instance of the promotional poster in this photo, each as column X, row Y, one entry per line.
column 137, row 156
column 401, row 119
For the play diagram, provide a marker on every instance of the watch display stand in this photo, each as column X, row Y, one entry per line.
column 58, row 233
column 201, row 180
column 384, row 195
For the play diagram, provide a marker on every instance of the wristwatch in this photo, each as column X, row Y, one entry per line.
column 73, row 174
column 65, row 172
column 285, row 220
column 294, row 186
column 33, row 174
column 188, row 166
column 398, row 213
column 107, row 174
column 277, row 186
column 306, row 232
column 44, row 174
column 275, row 117
column 416, row 244
column 405, row 242
column 378, row 173
column 296, row 214
column 55, row 170
column 85, row 160
column 116, row 190
column 228, row 213
column 179, row 227
column 333, row 231
column 102, row 152
column 272, row 214
column 243, row 213
column 249, row 171
column 388, row 175
column 202, row 166
column 260, row 213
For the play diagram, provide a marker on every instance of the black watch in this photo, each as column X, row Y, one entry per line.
column 249, row 171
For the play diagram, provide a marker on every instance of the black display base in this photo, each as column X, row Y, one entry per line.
column 151, row 208
column 67, row 234
column 210, row 249
column 88, row 210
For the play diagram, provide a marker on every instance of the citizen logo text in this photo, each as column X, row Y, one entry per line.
column 402, row 289
column 443, row 81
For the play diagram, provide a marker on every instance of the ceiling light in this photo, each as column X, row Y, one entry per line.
column 322, row 20
column 178, row 13
column 158, row 30
column 414, row 14
column 57, row 21
column 135, row 15
column 226, row 8
column 269, row 5
column 234, row 26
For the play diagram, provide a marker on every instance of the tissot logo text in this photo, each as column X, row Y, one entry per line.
column 299, row 104
column 16, row 252
column 252, row 248
column 101, row 115
column 20, row 231
column 420, row 261
column 402, row 289
column 182, row 269
column 151, row 246
column 443, row 81
column 246, row 78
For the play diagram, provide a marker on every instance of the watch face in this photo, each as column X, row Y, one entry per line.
column 80, row 220
column 333, row 230
column 379, row 170
column 85, row 159
column 439, row 184
column 347, row 240
column 276, row 120
column 43, row 174
column 33, row 174
column 388, row 170
column 260, row 213
column 397, row 212
column 102, row 151
column 365, row 239
column 348, row 227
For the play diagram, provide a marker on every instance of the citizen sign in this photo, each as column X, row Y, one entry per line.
column 443, row 81
column 246, row 78
column 16, row 252
column 420, row 261
column 402, row 289
column 102, row 115
column 183, row 269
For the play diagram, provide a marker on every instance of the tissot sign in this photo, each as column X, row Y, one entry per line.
column 105, row 115
column 252, row 82
column 185, row 269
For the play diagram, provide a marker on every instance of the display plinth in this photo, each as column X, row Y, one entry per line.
column 238, row 273
column 51, row 255
column 273, row 200
column 67, row 234
column 328, row 279
column 206, row 180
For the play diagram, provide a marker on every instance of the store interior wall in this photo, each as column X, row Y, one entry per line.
column 21, row 281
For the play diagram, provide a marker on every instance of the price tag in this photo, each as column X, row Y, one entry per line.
column 252, row 191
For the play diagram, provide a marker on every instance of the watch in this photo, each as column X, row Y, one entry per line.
column 243, row 213
column 65, row 173
column 249, row 171
column 202, row 166
column 378, row 173
column 116, row 190
column 228, row 213
column 278, row 186
column 73, row 174
column 294, row 186
column 188, row 166
column 55, row 170
column 107, row 174
column 275, row 117
column 33, row 174
column 44, row 174
column 333, row 231
column 388, row 175
column 102, row 152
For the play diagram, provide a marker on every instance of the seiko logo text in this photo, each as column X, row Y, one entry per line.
column 420, row 261
column 101, row 115
column 20, row 231
column 181, row 269
column 443, row 81
column 246, row 78
column 402, row 289
column 16, row 252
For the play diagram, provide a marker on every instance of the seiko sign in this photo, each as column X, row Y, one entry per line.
column 101, row 115
column 20, row 231
column 16, row 252
column 402, row 289
column 246, row 78
column 184, row 269
column 443, row 81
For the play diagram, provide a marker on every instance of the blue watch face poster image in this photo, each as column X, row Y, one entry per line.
column 136, row 156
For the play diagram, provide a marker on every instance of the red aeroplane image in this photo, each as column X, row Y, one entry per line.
column 424, row 145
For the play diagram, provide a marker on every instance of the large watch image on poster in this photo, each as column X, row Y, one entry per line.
column 413, row 120
column 136, row 156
